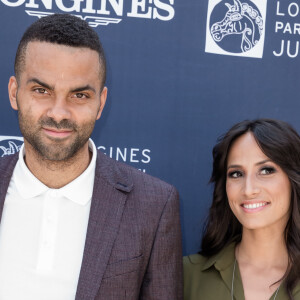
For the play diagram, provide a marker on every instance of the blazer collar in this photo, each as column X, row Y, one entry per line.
column 111, row 187
column 114, row 173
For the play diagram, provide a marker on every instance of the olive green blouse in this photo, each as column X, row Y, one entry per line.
column 211, row 278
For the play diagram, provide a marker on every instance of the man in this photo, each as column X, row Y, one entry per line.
column 76, row 224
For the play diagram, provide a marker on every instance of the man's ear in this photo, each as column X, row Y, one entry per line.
column 103, row 97
column 12, row 92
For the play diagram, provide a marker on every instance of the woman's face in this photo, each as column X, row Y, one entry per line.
column 258, row 191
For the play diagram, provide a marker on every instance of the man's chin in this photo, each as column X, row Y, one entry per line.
column 57, row 156
column 56, row 150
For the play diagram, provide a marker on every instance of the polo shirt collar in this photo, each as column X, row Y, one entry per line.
column 27, row 184
column 79, row 190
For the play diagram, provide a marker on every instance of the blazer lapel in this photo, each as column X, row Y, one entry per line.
column 108, row 202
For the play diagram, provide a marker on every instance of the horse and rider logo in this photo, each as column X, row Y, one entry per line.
column 236, row 27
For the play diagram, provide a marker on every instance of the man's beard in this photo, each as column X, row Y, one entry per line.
column 58, row 149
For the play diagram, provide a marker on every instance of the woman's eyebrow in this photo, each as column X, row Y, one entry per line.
column 257, row 164
column 233, row 166
column 263, row 162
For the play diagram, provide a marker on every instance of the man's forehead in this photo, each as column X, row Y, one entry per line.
column 43, row 47
column 50, row 58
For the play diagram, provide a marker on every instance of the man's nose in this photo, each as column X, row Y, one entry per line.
column 59, row 110
column 251, row 186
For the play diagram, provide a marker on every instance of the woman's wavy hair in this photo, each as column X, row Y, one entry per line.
column 279, row 142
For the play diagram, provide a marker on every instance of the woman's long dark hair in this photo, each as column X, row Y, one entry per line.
column 279, row 142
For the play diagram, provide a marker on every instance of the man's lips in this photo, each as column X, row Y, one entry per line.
column 58, row 133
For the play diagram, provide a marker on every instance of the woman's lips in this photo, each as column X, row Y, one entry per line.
column 254, row 206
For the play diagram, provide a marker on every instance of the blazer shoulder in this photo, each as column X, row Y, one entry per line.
column 118, row 172
column 8, row 163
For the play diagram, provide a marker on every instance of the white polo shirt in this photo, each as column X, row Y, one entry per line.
column 42, row 235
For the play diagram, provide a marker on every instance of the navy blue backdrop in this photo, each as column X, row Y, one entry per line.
column 180, row 73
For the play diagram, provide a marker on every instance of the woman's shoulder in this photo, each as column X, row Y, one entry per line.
column 193, row 267
column 194, row 263
column 197, row 267
column 194, row 278
column 202, row 278
column 296, row 292
column 194, row 260
column 200, row 262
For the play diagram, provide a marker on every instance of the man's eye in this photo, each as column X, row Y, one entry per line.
column 41, row 91
column 235, row 174
column 267, row 170
column 80, row 96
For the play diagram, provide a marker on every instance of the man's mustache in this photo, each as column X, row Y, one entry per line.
column 63, row 124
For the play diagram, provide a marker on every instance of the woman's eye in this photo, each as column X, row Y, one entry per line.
column 235, row 174
column 267, row 171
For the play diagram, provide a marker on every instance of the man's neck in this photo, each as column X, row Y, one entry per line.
column 56, row 174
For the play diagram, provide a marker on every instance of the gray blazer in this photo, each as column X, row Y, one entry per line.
column 133, row 243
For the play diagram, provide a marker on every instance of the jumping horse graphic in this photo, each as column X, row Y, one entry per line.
column 243, row 19
column 12, row 149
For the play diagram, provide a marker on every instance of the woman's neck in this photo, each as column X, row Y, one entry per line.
column 263, row 261
column 264, row 248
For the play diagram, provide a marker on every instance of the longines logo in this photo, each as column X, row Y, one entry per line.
column 100, row 12
column 10, row 145
column 137, row 157
column 236, row 28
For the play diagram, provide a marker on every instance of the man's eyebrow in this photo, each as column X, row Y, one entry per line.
column 84, row 88
column 35, row 80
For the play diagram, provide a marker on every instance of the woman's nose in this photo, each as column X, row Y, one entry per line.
column 251, row 186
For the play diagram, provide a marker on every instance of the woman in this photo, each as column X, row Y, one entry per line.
column 251, row 243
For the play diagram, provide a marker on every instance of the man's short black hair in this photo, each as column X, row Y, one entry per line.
column 62, row 29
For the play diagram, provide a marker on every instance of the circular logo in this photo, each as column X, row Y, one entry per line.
column 237, row 26
column 10, row 146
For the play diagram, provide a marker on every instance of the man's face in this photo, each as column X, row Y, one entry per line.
column 58, row 97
